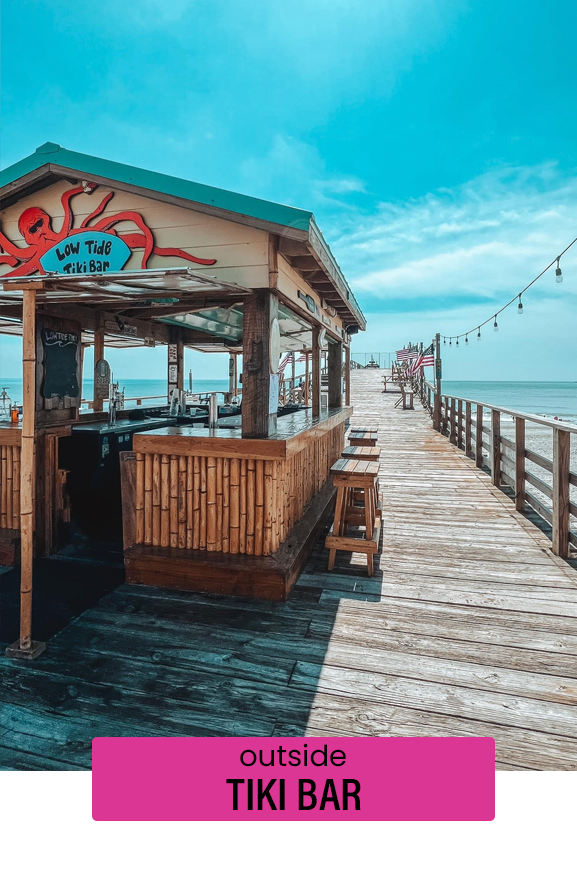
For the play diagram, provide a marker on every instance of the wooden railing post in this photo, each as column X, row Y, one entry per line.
column 519, row 464
column 468, row 429
column 479, row 437
column 561, row 458
column 453, row 421
column 437, row 398
column 496, row 447
column 460, row 423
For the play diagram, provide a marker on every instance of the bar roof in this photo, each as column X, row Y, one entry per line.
column 309, row 249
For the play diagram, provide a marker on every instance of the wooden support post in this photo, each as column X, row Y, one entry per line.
column 25, row 647
column 316, row 372
column 335, row 374
column 496, row 447
column 348, row 375
column 479, row 437
column 468, row 429
column 259, row 386
column 180, row 362
column 98, row 404
column 306, row 378
column 453, row 420
column 561, row 459
column 293, row 398
column 231, row 375
column 460, row 423
column 519, row 464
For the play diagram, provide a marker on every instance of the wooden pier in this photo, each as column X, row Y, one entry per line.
column 467, row 628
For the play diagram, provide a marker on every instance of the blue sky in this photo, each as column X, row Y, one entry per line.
column 435, row 140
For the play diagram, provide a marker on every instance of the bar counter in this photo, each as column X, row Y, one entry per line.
column 210, row 510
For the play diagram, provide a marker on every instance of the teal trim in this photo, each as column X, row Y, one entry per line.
column 240, row 204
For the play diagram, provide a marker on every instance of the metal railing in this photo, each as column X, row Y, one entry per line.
column 546, row 485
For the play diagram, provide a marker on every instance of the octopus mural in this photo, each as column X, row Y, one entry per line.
column 35, row 225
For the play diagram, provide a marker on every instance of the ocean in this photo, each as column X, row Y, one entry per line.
column 133, row 387
column 538, row 398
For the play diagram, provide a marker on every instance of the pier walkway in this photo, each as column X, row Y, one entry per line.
column 468, row 627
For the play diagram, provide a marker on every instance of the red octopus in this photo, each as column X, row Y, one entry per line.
column 35, row 225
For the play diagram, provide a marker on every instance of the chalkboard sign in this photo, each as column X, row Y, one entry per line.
column 60, row 364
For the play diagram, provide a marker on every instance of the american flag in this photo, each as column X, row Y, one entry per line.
column 285, row 362
column 301, row 359
column 407, row 354
column 425, row 358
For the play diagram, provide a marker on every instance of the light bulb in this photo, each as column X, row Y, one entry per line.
column 479, row 335
column 495, row 325
column 444, row 341
column 558, row 273
column 457, row 342
column 467, row 339
column 520, row 306
column 450, row 342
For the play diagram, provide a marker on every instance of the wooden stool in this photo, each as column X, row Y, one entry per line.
column 361, row 452
column 363, row 436
column 352, row 478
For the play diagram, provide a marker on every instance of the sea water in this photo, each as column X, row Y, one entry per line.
column 133, row 387
column 534, row 398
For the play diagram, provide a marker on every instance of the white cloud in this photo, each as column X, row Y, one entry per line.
column 488, row 237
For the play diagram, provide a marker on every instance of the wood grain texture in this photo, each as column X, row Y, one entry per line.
column 467, row 628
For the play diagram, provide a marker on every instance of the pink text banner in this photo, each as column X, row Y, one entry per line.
column 187, row 779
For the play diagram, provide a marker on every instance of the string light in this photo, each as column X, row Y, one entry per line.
column 558, row 273
column 467, row 339
column 450, row 342
column 558, row 278
column 457, row 342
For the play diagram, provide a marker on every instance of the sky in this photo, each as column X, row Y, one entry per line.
column 435, row 141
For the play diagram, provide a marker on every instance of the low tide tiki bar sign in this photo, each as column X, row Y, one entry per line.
column 96, row 246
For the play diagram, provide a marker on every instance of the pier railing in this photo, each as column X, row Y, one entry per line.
column 545, row 484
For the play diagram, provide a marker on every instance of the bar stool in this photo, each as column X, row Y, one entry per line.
column 361, row 452
column 363, row 436
column 364, row 452
column 353, row 478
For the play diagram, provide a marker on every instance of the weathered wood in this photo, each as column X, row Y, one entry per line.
column 468, row 628
column 259, row 312
column 316, row 372
column 496, row 447
column 97, row 402
column 479, row 436
column 335, row 374
column 27, row 466
column 519, row 464
column 561, row 460
column 128, row 476
column 468, row 440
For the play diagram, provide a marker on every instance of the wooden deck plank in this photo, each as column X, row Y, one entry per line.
column 468, row 627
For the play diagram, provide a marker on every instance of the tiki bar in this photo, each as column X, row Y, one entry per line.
column 206, row 493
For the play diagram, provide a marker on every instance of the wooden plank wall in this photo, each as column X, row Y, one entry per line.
column 10, row 487
column 229, row 504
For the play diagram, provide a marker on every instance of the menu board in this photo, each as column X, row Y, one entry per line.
column 60, row 364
